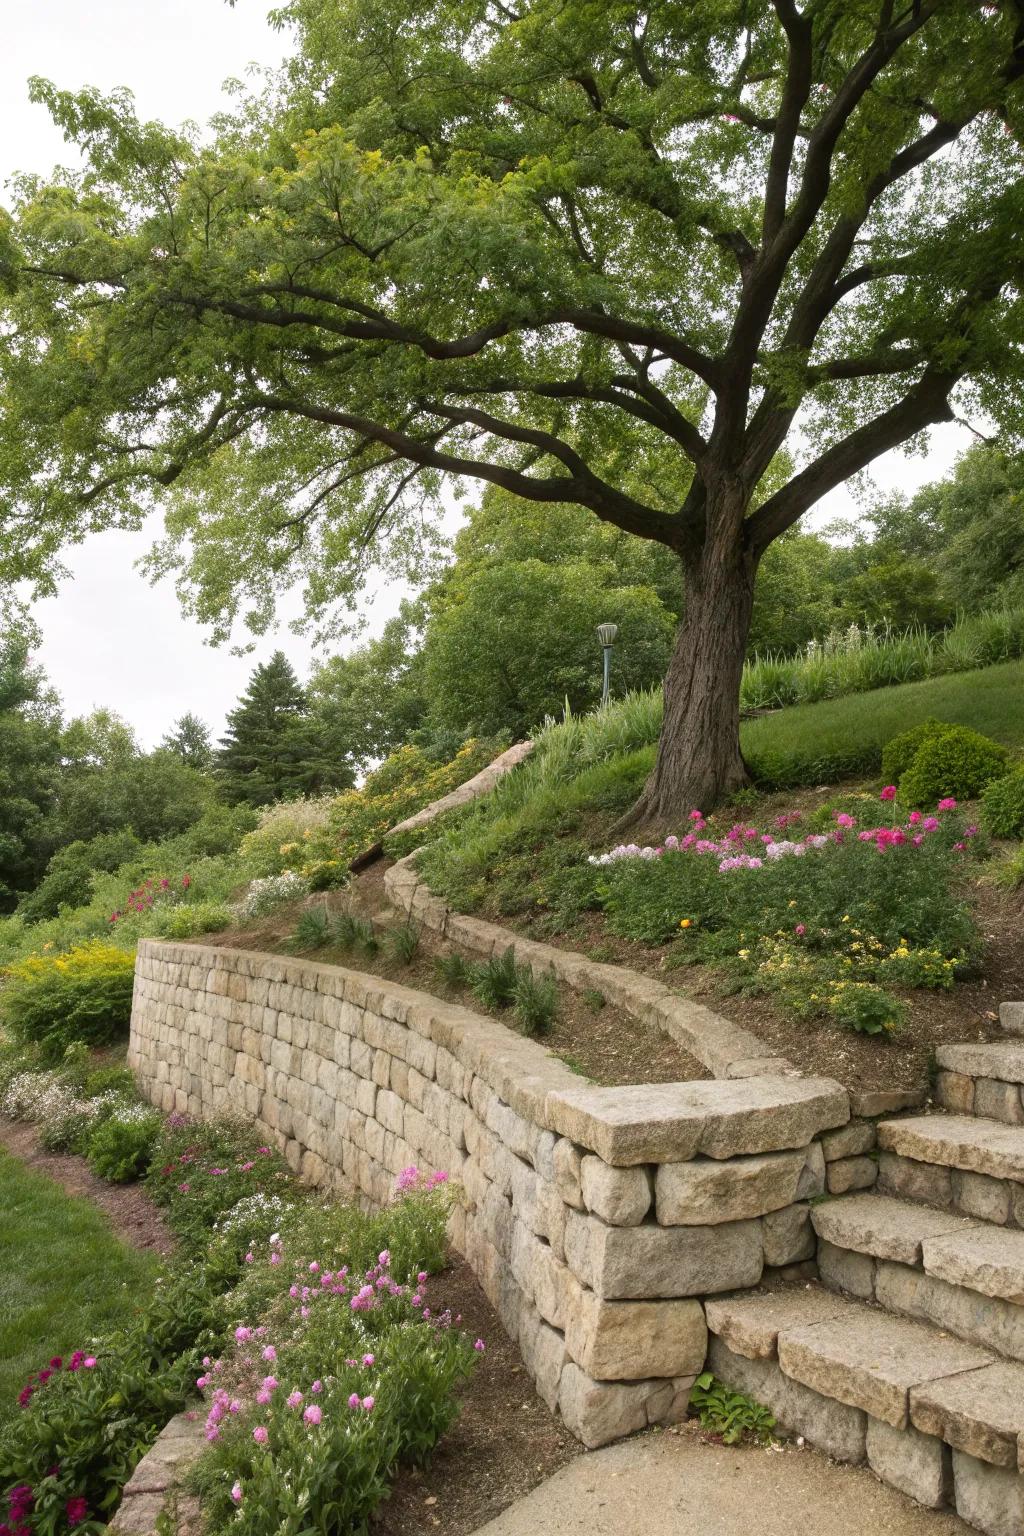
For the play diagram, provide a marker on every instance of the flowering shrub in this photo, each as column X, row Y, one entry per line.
column 337, row 1369
column 55, row 1000
column 262, row 896
column 156, row 892
column 200, row 1171
column 121, row 1145
column 826, row 922
column 284, row 831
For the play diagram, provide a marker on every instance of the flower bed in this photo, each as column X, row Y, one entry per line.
column 828, row 922
column 248, row 1231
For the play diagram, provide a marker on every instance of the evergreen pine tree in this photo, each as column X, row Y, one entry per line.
column 273, row 748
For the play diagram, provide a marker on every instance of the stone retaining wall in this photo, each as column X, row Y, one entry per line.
column 595, row 1218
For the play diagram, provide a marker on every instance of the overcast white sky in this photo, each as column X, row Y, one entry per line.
column 110, row 638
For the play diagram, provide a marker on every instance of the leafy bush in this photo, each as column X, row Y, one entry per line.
column 184, row 922
column 121, row 1146
column 1002, row 805
column 68, row 878
column 284, row 833
column 83, row 995
column 263, row 895
column 733, row 1415
column 200, row 1170
column 956, row 762
column 899, row 752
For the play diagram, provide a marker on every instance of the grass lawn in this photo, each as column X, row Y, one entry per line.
column 822, row 743
column 64, row 1277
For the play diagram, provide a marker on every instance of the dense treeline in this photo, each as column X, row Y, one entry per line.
column 501, row 637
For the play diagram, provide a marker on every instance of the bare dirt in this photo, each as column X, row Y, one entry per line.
column 131, row 1213
column 594, row 1038
column 504, row 1443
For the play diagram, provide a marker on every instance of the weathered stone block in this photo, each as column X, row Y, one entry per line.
column 850, row 1173
column 851, row 1140
column 620, row 1196
column 598, row 1412
column 991, row 1498
column 788, row 1236
column 912, row 1180
column 980, row 1412
column 568, row 1169
column 917, row 1464
column 704, row 1192
column 624, row 1340
column 623, row 1263
column 844, row 1270
column 833, row 1427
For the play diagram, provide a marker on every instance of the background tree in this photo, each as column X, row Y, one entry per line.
column 189, row 739
column 273, row 748
column 29, row 765
column 592, row 254
column 373, row 700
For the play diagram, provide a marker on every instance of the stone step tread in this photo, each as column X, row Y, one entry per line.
column 980, row 1412
column 1001, row 1059
column 958, row 1141
column 850, row 1352
column 883, row 1226
column 982, row 1258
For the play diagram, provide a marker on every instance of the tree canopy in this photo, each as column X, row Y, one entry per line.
column 273, row 748
column 598, row 254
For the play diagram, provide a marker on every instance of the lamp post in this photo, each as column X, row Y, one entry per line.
column 606, row 634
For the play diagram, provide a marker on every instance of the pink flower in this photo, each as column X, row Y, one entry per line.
column 842, row 820
column 263, row 1397
column 930, row 823
column 243, row 1335
column 260, row 1434
column 293, row 1399
column 89, row 1362
column 313, row 1414
column 948, row 804
column 368, row 1359
column 367, row 1403
column 250, row 1258
column 888, row 793
column 353, row 1401
column 275, row 1258
column 270, row 1353
column 914, row 818
column 236, row 1491
column 800, row 930
column 317, row 1386
column 480, row 1346
column 269, row 1383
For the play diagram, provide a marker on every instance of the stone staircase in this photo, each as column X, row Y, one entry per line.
column 908, row 1352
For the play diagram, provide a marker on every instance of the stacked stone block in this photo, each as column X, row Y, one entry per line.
column 595, row 1218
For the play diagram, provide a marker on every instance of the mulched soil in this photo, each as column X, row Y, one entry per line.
column 504, row 1443
column 127, row 1207
column 600, row 1042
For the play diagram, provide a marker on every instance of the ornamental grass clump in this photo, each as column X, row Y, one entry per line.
column 827, row 922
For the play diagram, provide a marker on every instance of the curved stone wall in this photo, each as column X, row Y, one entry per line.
column 595, row 1218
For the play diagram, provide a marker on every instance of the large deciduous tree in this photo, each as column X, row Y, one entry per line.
column 611, row 254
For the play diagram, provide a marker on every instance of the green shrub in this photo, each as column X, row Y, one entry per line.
column 864, row 1008
column 120, row 1148
column 84, row 995
column 733, row 1415
column 956, row 762
column 1002, row 805
column 899, row 752
column 108, row 1080
column 452, row 970
column 351, row 932
column 186, row 921
column 1009, row 872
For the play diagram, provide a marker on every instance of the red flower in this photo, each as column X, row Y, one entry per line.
column 76, row 1510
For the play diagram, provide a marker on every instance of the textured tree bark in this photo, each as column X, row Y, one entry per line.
column 699, row 762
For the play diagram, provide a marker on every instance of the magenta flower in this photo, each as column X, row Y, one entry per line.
column 89, row 1362
column 353, row 1401
column 888, row 793
column 480, row 1346
column 76, row 1510
column 948, row 804
column 293, row 1399
column 368, row 1403
column 800, row 930
column 236, row 1492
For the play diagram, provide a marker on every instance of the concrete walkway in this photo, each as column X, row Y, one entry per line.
column 673, row 1485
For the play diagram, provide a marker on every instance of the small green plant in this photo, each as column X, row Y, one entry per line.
column 594, row 999
column 536, row 1001
column 865, row 1009
column 1009, row 872
column 403, row 942
column 312, row 931
column 494, row 981
column 351, row 932
column 733, row 1415
column 1002, row 805
column 452, row 970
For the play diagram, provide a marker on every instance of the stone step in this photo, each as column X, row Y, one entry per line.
column 965, row 1276
column 983, row 1079
column 959, row 1162
column 936, row 1417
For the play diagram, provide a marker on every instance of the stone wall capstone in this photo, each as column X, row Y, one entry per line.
column 596, row 1219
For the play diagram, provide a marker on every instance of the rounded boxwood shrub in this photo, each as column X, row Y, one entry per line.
column 957, row 761
column 899, row 751
column 1002, row 805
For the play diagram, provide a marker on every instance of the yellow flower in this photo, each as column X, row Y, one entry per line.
column 686, row 922
column 744, row 954
column 846, row 919
column 793, row 902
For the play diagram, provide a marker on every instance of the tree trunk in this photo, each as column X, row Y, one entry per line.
column 699, row 761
